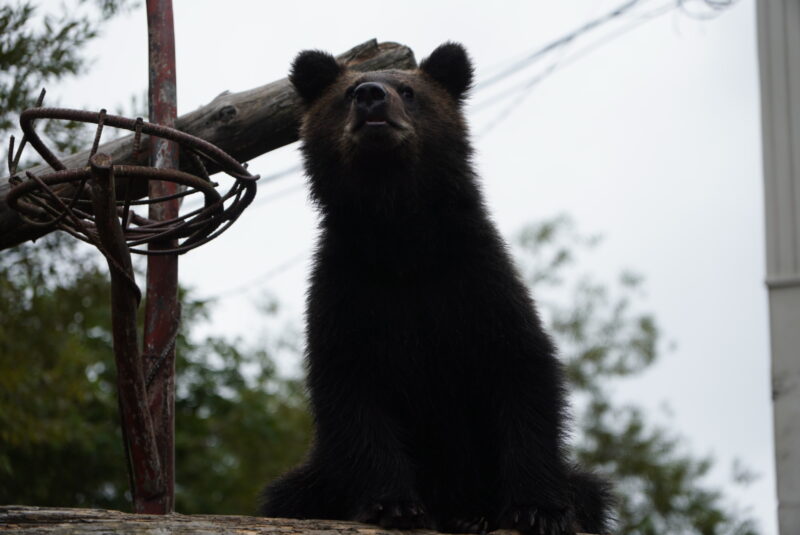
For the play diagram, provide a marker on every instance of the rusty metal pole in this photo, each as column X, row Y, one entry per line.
column 144, row 467
column 162, row 309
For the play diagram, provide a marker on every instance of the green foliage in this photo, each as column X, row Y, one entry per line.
column 57, row 413
column 236, row 430
column 604, row 337
column 238, row 424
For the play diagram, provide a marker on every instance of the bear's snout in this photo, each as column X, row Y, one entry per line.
column 370, row 94
column 371, row 103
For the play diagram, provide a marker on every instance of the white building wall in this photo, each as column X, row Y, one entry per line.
column 779, row 55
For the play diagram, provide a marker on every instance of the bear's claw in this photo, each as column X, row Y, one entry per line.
column 538, row 521
column 465, row 525
column 395, row 515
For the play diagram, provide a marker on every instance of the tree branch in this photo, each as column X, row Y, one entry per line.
column 245, row 125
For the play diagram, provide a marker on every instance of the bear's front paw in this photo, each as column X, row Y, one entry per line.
column 477, row 524
column 538, row 520
column 395, row 514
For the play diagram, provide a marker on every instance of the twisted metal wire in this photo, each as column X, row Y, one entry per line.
column 62, row 199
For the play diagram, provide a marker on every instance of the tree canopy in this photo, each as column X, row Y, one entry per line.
column 605, row 336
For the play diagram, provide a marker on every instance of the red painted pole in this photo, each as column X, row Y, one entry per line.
column 162, row 309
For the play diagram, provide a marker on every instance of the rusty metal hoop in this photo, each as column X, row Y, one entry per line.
column 46, row 200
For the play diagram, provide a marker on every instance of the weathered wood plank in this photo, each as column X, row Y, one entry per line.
column 26, row 520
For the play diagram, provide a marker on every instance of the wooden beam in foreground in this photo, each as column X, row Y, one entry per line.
column 25, row 520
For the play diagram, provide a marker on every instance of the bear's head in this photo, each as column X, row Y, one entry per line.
column 384, row 139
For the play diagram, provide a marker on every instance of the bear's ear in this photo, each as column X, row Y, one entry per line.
column 451, row 67
column 312, row 72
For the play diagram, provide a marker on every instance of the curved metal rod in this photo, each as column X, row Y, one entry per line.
column 226, row 162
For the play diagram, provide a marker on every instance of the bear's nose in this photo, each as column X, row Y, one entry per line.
column 369, row 94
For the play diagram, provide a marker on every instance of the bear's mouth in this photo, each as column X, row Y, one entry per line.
column 374, row 122
column 374, row 118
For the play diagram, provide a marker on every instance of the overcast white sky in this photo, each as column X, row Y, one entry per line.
column 652, row 140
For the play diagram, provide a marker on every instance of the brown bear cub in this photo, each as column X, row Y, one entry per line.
column 437, row 396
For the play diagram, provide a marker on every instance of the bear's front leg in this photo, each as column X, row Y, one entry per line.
column 357, row 444
column 533, row 476
column 533, row 491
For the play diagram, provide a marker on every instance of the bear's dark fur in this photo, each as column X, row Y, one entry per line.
column 437, row 396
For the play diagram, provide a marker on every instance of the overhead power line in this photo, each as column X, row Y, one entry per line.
column 522, row 91
column 690, row 8
column 266, row 199
column 561, row 42
column 712, row 9
column 262, row 278
column 558, row 43
column 281, row 174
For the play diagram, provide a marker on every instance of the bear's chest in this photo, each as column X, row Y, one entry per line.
column 396, row 321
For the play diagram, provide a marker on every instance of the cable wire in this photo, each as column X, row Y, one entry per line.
column 262, row 278
column 520, row 91
column 561, row 41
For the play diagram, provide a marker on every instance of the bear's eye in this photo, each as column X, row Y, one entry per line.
column 407, row 93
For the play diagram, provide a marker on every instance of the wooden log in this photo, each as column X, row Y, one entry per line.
column 25, row 520
column 244, row 124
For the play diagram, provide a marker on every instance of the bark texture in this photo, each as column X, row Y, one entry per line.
column 24, row 520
